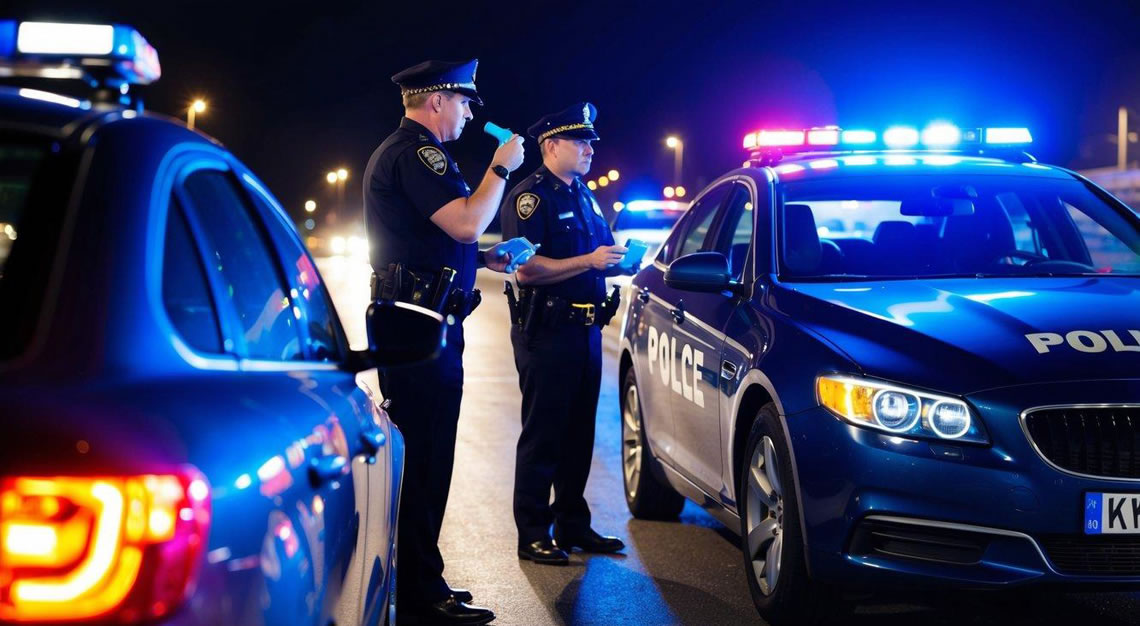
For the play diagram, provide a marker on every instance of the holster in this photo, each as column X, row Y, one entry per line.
column 609, row 307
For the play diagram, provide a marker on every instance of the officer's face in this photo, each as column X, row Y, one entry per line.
column 454, row 112
column 574, row 155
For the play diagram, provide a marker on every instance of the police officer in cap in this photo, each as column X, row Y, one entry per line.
column 557, row 337
column 423, row 221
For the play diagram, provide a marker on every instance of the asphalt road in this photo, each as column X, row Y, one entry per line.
column 684, row 572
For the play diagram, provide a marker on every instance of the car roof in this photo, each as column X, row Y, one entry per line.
column 891, row 162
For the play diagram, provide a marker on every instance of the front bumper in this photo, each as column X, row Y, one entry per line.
column 881, row 509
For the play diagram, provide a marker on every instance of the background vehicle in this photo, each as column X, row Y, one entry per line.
column 893, row 364
column 187, row 437
column 646, row 220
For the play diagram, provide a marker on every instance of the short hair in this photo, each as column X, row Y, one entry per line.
column 417, row 100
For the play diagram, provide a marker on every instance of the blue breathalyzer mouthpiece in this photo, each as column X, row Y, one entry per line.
column 498, row 132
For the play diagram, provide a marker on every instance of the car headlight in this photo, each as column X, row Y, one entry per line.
column 898, row 410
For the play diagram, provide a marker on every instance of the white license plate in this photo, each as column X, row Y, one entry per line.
column 1114, row 513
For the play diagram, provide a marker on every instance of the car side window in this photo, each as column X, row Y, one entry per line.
column 700, row 221
column 185, row 290
column 251, row 281
column 319, row 317
column 735, row 236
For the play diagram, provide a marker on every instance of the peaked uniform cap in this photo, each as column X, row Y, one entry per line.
column 428, row 76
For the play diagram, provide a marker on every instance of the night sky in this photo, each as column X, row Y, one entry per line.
column 297, row 89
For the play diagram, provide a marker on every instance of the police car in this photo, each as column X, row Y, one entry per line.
column 186, row 436
column 898, row 358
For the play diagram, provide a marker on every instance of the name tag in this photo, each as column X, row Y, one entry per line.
column 565, row 216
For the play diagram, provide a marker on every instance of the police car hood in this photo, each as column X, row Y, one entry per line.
column 965, row 335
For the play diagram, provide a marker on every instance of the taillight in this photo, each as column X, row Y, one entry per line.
column 122, row 547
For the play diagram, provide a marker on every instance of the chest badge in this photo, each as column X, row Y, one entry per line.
column 526, row 205
column 433, row 158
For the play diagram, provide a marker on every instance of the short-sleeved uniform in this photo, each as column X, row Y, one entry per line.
column 559, row 368
column 410, row 177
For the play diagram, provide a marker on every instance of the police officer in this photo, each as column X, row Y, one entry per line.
column 557, row 337
column 423, row 221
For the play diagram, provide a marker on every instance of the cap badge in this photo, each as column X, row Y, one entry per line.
column 586, row 114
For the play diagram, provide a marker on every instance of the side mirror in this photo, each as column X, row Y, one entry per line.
column 700, row 271
column 403, row 334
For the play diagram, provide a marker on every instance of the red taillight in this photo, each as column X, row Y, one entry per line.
column 75, row 548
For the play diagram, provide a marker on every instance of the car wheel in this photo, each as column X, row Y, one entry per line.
column 771, row 537
column 646, row 495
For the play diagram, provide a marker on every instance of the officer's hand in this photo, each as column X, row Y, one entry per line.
column 605, row 256
column 510, row 154
column 497, row 261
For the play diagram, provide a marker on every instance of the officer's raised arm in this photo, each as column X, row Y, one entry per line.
column 467, row 218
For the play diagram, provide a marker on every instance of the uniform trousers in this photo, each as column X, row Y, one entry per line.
column 425, row 406
column 560, row 371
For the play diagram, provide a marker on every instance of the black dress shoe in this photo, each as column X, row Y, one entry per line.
column 543, row 551
column 589, row 541
column 449, row 611
column 462, row 595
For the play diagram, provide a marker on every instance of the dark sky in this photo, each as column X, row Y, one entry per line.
column 297, row 89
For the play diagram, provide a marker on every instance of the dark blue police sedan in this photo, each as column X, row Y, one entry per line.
column 186, row 436
column 900, row 359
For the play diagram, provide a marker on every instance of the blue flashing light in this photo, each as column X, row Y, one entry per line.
column 900, row 137
column 1007, row 136
column 655, row 205
column 858, row 137
column 941, row 136
column 113, row 54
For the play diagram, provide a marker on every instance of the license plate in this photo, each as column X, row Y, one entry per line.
column 1112, row 513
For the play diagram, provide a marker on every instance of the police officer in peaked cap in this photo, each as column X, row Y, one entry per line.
column 557, row 337
column 423, row 221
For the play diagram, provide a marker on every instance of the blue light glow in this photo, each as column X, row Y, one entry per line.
column 941, row 135
column 900, row 137
column 1008, row 135
column 858, row 136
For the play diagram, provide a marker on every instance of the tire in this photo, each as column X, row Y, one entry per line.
column 770, row 532
column 646, row 495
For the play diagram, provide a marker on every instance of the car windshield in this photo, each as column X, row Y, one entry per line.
column 926, row 226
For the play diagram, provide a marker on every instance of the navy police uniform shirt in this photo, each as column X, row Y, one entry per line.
column 410, row 177
column 567, row 221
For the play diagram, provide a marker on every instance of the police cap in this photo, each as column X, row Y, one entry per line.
column 457, row 76
column 575, row 122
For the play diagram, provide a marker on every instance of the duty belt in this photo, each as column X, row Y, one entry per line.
column 433, row 290
column 534, row 309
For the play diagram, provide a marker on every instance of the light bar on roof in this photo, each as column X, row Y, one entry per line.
column 941, row 136
column 55, row 38
column 1007, row 136
column 823, row 136
column 774, row 138
column 858, row 136
column 900, row 137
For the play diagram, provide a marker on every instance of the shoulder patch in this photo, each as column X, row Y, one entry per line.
column 433, row 158
column 526, row 204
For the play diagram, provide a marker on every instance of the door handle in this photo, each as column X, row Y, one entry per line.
column 728, row 370
column 325, row 468
column 679, row 312
column 643, row 295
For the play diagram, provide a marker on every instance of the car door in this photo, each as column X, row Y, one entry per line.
column 680, row 352
column 289, row 389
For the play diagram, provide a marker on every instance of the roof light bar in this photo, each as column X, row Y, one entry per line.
column 941, row 136
column 1007, row 136
column 858, row 136
column 823, row 137
column 900, row 137
column 774, row 138
column 55, row 38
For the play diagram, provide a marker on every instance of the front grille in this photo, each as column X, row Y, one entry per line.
column 1099, row 441
column 1102, row 555
column 910, row 541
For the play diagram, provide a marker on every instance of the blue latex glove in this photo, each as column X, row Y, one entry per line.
column 520, row 249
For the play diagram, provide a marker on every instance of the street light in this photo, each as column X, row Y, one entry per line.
column 678, row 147
column 679, row 191
column 612, row 175
column 196, row 107
column 669, row 191
column 603, row 181
column 337, row 178
column 310, row 205
column 592, row 185
column 331, row 177
column 342, row 174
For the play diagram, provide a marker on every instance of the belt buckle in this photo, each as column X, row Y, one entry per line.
column 589, row 311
